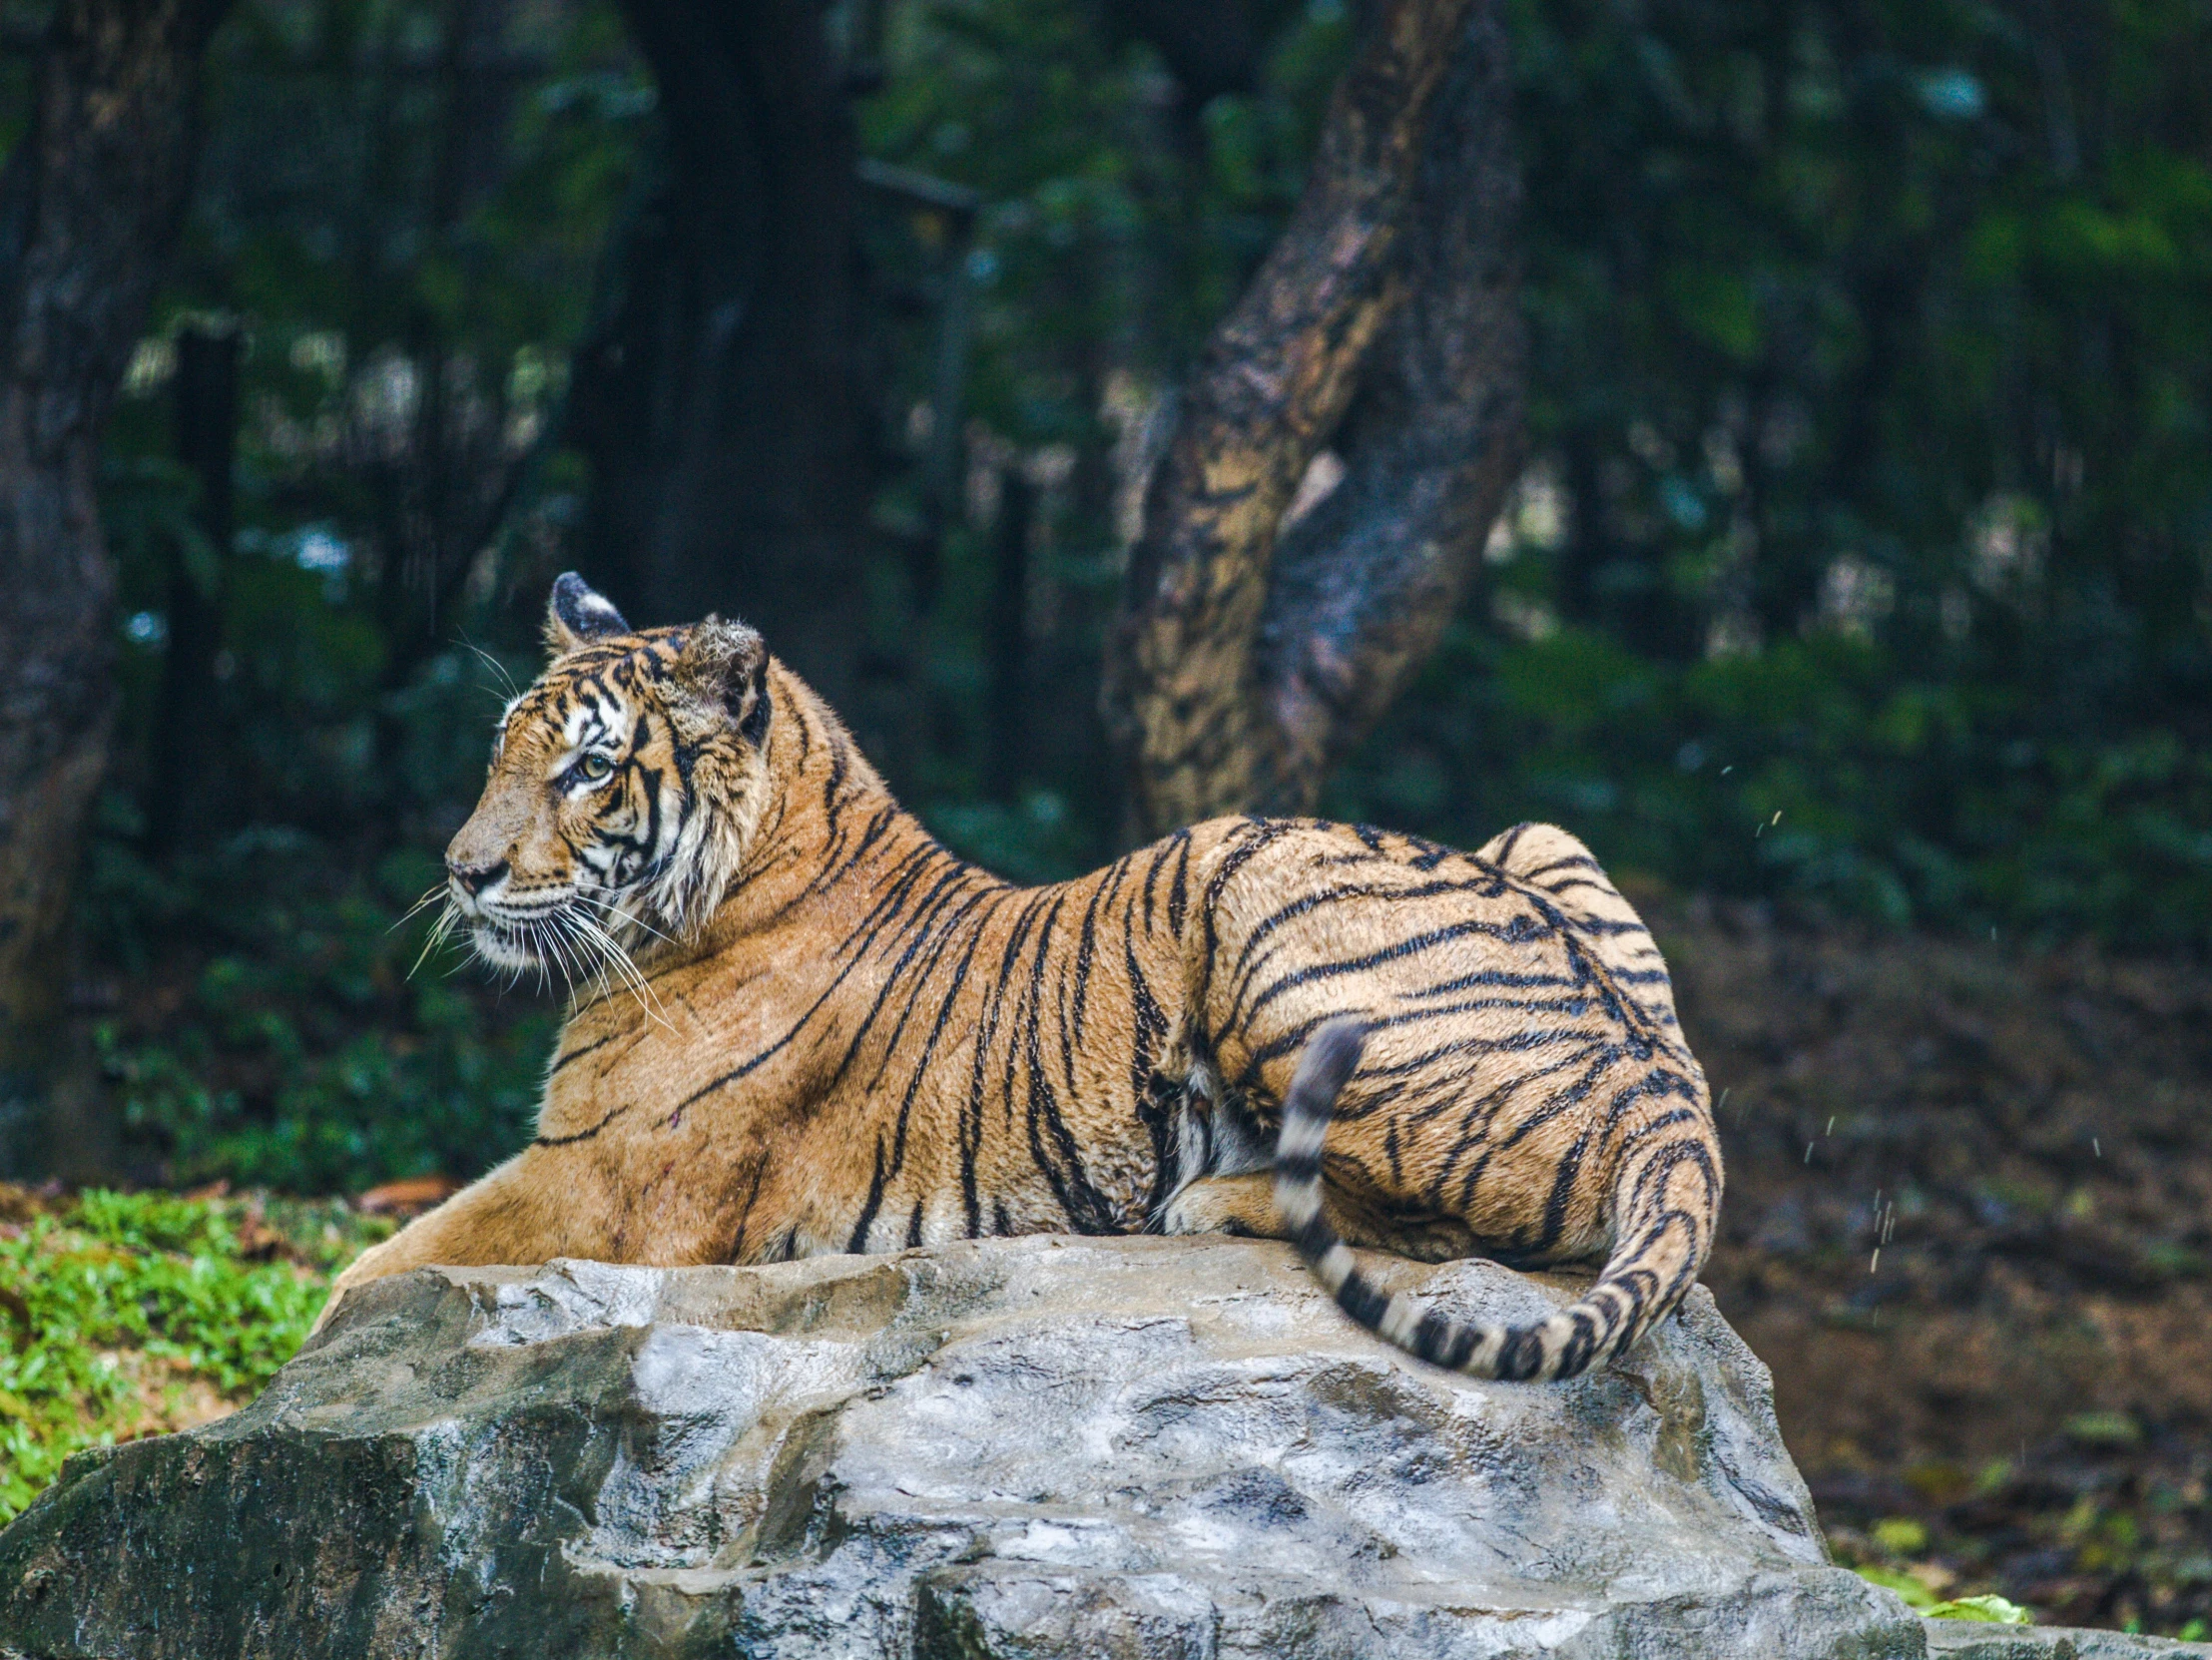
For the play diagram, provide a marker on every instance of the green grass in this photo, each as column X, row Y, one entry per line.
column 130, row 1315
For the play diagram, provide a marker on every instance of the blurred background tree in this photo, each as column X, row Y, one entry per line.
column 722, row 396
column 1854, row 552
column 1342, row 446
column 90, row 204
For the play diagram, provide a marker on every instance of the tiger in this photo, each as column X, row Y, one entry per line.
column 798, row 1024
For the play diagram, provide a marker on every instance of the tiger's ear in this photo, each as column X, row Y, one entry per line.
column 723, row 673
column 578, row 615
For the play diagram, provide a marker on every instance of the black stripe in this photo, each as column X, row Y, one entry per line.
column 874, row 1204
column 744, row 1215
column 583, row 1135
column 1362, row 1302
column 754, row 728
column 1388, row 953
column 562, row 1060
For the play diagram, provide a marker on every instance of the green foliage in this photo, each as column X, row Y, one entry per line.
column 301, row 1053
column 1869, row 372
column 143, row 1313
column 1870, row 401
column 409, row 256
column 1897, row 1540
column 281, row 1021
column 1119, row 222
column 1103, row 218
column 1822, row 769
column 1988, row 1608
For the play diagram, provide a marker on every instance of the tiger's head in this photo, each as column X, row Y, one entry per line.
column 623, row 787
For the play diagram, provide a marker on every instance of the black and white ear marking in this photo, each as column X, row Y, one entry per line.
column 578, row 614
column 723, row 666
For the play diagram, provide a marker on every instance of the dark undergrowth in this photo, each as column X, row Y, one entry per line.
column 1969, row 1228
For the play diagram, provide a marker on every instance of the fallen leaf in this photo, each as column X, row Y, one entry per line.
column 417, row 1192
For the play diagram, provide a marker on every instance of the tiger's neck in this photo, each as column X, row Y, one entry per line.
column 823, row 833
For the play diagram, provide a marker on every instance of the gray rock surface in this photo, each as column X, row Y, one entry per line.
column 1969, row 1641
column 1028, row 1447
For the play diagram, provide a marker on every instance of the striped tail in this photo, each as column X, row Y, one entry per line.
column 1666, row 1202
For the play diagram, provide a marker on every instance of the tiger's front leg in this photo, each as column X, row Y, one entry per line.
column 1243, row 1206
column 544, row 1202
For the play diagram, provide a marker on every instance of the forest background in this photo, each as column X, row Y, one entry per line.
column 1868, row 394
column 1856, row 571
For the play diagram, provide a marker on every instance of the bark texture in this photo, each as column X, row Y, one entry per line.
column 1383, row 327
column 90, row 204
column 721, row 403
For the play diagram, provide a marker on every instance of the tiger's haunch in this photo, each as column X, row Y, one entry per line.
column 1642, row 1280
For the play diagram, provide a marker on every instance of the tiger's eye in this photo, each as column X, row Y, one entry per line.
column 593, row 767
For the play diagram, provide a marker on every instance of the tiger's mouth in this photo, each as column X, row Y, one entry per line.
column 568, row 937
column 515, row 936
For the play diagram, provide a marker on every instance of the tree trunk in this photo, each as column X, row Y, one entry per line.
column 1006, row 637
column 207, row 442
column 1385, row 326
column 721, row 403
column 90, row 204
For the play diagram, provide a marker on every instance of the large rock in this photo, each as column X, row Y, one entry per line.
column 1026, row 1447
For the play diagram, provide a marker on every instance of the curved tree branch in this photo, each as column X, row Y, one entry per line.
column 1387, row 318
column 1365, row 583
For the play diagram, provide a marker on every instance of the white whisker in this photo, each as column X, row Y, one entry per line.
column 552, row 932
column 617, row 911
column 583, row 933
column 439, row 931
column 434, row 893
column 492, row 663
column 619, row 960
column 565, row 924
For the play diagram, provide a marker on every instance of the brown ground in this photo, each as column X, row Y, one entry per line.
column 2016, row 1396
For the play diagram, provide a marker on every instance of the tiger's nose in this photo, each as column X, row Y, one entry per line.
column 475, row 878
